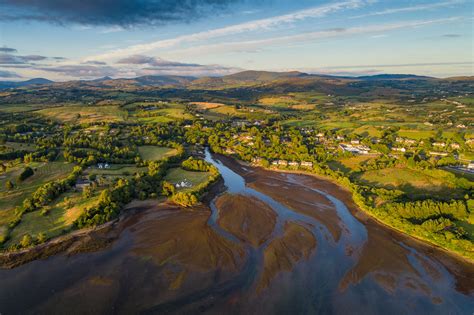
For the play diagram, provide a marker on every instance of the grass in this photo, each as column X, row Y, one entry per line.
column 44, row 172
column 60, row 217
column 346, row 165
column 206, row 105
column 155, row 153
column 177, row 175
column 18, row 146
column 85, row 114
column 115, row 170
column 414, row 183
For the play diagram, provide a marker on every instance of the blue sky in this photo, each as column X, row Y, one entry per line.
column 62, row 40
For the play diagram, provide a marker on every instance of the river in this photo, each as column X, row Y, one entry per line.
column 271, row 243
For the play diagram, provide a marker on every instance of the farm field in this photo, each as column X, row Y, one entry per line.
column 43, row 173
column 85, row 114
column 115, row 170
column 60, row 216
column 414, row 183
column 155, row 153
column 346, row 165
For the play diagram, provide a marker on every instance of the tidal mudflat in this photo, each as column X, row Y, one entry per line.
column 270, row 243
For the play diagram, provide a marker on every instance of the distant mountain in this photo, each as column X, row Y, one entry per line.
column 394, row 77
column 245, row 78
column 15, row 84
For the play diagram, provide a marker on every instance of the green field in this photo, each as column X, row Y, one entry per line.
column 60, row 217
column 177, row 175
column 346, row 165
column 155, row 153
column 44, row 172
column 414, row 183
column 19, row 146
column 115, row 170
column 85, row 114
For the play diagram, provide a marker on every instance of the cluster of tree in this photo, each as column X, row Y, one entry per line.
column 49, row 191
column 198, row 165
column 108, row 206
column 425, row 209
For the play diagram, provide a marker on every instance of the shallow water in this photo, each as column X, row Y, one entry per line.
column 312, row 252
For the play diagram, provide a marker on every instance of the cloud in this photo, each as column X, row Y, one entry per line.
column 397, row 65
column 152, row 61
column 33, row 58
column 122, row 13
column 421, row 7
column 95, row 62
column 9, row 59
column 6, row 49
column 251, row 26
column 451, row 35
column 8, row 74
column 308, row 37
column 81, row 71
column 134, row 66
column 158, row 66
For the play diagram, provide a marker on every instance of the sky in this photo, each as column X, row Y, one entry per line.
column 88, row 39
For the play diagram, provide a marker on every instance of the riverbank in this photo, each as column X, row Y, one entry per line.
column 83, row 240
column 358, row 210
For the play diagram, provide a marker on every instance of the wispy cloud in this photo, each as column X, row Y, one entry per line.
column 8, row 74
column 414, row 8
column 308, row 37
column 399, row 65
column 9, row 59
column 251, row 26
column 6, row 49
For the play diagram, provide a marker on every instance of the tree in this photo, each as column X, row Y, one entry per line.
column 87, row 192
column 26, row 240
column 168, row 189
column 9, row 185
column 41, row 238
column 27, row 172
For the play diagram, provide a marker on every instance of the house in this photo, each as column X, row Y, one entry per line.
column 307, row 164
column 461, row 126
column 355, row 141
column 282, row 163
column 293, row 163
column 439, row 144
column 229, row 151
column 399, row 149
column 359, row 149
column 82, row 183
column 470, row 166
column 438, row 153
column 340, row 138
column 455, row 146
column 275, row 163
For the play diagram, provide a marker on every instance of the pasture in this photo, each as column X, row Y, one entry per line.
column 155, row 153
column 60, row 217
column 415, row 183
column 85, row 114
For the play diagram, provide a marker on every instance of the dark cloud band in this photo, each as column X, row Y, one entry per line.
column 124, row 13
